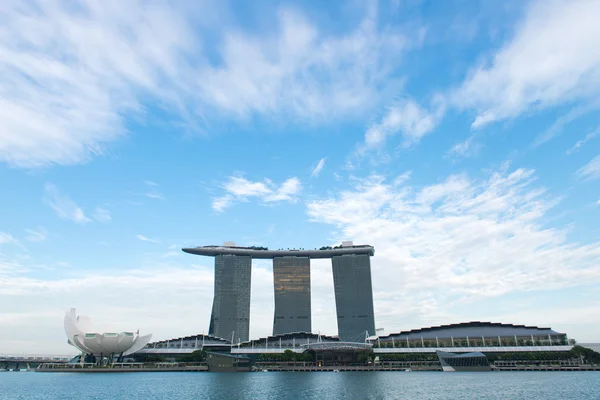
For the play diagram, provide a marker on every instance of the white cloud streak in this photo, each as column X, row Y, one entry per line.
column 239, row 189
column 552, row 59
column 590, row 171
column 7, row 238
column 102, row 215
column 146, row 239
column 580, row 143
column 153, row 191
column 37, row 235
column 317, row 170
column 72, row 72
column 62, row 204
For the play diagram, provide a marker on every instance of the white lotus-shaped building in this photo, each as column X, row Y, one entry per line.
column 82, row 334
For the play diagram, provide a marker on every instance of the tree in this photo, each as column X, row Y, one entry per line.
column 589, row 356
column 366, row 357
column 288, row 355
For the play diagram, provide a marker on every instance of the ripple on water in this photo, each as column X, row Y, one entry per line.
column 299, row 385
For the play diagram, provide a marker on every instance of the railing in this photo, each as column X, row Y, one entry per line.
column 261, row 350
column 35, row 357
column 487, row 349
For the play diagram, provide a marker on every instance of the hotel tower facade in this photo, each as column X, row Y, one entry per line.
column 230, row 317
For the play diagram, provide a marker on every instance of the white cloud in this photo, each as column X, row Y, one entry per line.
column 590, row 171
column 467, row 148
column 551, row 59
column 37, row 235
column 7, row 238
column 101, row 215
column 62, row 204
column 456, row 243
column 71, row 73
column 317, row 170
column 219, row 204
column 286, row 192
column 146, row 239
column 171, row 254
column 153, row 191
column 583, row 141
column 408, row 119
column 154, row 195
column 304, row 72
column 240, row 189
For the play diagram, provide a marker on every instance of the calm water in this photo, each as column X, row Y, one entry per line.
column 298, row 385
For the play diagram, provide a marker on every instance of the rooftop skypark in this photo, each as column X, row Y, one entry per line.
column 260, row 252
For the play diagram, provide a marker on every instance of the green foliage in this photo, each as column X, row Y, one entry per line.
column 577, row 352
column 589, row 356
column 289, row 355
column 365, row 357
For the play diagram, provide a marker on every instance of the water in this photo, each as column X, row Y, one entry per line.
column 301, row 385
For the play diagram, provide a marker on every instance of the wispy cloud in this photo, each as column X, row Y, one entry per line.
column 239, row 189
column 439, row 238
column 7, row 238
column 408, row 119
column 101, row 215
column 590, row 171
column 63, row 104
column 171, row 254
column 36, row 235
column 564, row 120
column 317, row 170
column 153, row 191
column 583, row 141
column 541, row 66
column 62, row 204
column 467, row 148
column 146, row 239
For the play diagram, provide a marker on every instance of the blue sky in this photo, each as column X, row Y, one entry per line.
column 461, row 139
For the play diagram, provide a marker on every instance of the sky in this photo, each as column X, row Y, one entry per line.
column 461, row 139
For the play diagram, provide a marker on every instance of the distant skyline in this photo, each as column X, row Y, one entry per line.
column 460, row 139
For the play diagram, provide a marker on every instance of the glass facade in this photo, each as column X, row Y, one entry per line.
column 353, row 296
column 291, row 276
column 231, row 304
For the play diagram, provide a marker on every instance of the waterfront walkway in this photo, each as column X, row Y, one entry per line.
column 168, row 367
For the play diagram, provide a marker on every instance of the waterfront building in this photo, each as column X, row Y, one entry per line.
column 291, row 277
column 291, row 268
column 230, row 317
column 353, row 296
column 84, row 336
column 474, row 336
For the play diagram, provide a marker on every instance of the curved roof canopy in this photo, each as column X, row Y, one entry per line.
column 213, row 251
column 472, row 329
